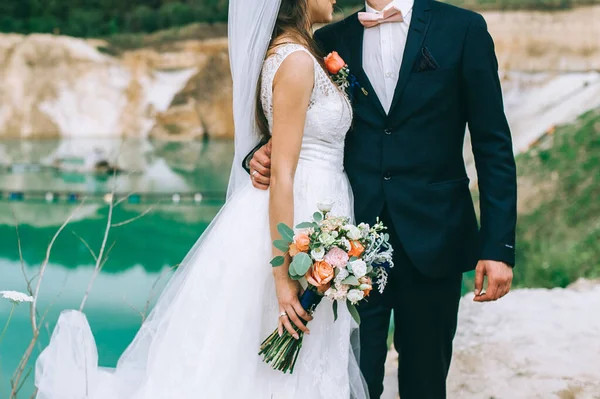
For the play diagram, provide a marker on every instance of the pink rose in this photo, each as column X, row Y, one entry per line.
column 337, row 257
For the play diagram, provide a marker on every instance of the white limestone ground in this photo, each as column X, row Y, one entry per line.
column 535, row 343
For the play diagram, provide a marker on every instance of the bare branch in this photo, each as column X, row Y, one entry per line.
column 141, row 215
column 16, row 381
column 89, row 248
column 124, row 199
column 45, row 263
column 21, row 259
column 99, row 259
column 134, row 308
column 152, row 291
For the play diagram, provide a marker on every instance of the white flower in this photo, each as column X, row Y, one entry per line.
column 16, row 297
column 354, row 232
column 330, row 293
column 359, row 268
column 355, row 296
column 325, row 205
column 327, row 239
column 341, row 275
column 341, row 290
column 346, row 244
column 365, row 229
column 318, row 253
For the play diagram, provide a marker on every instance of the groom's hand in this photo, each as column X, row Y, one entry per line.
column 260, row 167
column 499, row 276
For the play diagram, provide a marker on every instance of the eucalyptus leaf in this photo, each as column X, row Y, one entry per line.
column 354, row 312
column 301, row 264
column 318, row 216
column 306, row 225
column 335, row 310
column 350, row 280
column 286, row 232
column 281, row 245
column 277, row 261
column 293, row 274
column 369, row 269
column 352, row 259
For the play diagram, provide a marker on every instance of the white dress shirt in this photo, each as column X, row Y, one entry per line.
column 383, row 50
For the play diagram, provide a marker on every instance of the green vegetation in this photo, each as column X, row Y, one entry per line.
column 94, row 18
column 558, row 228
column 559, row 222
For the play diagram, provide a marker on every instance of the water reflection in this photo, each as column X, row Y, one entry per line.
column 148, row 165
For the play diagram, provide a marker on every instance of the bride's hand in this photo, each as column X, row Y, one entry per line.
column 288, row 292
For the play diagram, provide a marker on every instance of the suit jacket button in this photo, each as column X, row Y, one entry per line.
column 388, row 131
column 387, row 177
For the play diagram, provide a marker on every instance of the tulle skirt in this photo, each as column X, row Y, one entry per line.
column 202, row 338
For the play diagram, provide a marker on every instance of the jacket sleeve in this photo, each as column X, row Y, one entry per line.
column 248, row 158
column 323, row 38
column 491, row 143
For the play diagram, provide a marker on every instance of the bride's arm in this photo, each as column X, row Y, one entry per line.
column 292, row 88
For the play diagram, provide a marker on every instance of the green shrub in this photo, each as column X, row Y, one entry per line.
column 46, row 24
column 175, row 14
column 10, row 24
column 142, row 19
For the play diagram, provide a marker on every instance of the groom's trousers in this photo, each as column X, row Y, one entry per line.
column 425, row 317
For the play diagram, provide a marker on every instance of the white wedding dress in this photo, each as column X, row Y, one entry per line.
column 202, row 339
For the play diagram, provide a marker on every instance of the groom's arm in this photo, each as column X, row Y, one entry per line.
column 492, row 144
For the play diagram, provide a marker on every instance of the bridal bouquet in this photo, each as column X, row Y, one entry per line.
column 338, row 261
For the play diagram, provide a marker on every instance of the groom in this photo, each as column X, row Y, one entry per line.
column 428, row 70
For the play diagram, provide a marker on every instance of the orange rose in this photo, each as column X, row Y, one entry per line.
column 334, row 63
column 320, row 274
column 356, row 249
column 302, row 242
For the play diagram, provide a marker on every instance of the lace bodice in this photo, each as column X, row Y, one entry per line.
column 329, row 114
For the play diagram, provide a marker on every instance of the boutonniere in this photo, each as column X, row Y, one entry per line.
column 340, row 74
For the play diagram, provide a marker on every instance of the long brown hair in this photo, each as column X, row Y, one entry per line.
column 293, row 24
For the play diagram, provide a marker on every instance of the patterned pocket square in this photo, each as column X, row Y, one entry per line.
column 426, row 62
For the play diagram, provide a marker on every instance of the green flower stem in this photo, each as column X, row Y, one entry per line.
column 281, row 352
column 8, row 321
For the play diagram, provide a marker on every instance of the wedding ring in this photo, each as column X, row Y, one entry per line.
column 254, row 173
column 282, row 314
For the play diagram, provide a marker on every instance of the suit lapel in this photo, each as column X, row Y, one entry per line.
column 419, row 24
column 357, row 33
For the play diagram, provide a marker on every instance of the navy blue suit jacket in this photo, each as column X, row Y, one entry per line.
column 411, row 159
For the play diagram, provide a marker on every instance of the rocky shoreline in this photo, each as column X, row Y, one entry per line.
column 533, row 344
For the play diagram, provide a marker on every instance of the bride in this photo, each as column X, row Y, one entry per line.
column 203, row 336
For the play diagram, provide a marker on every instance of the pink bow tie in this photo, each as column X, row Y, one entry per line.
column 370, row 20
